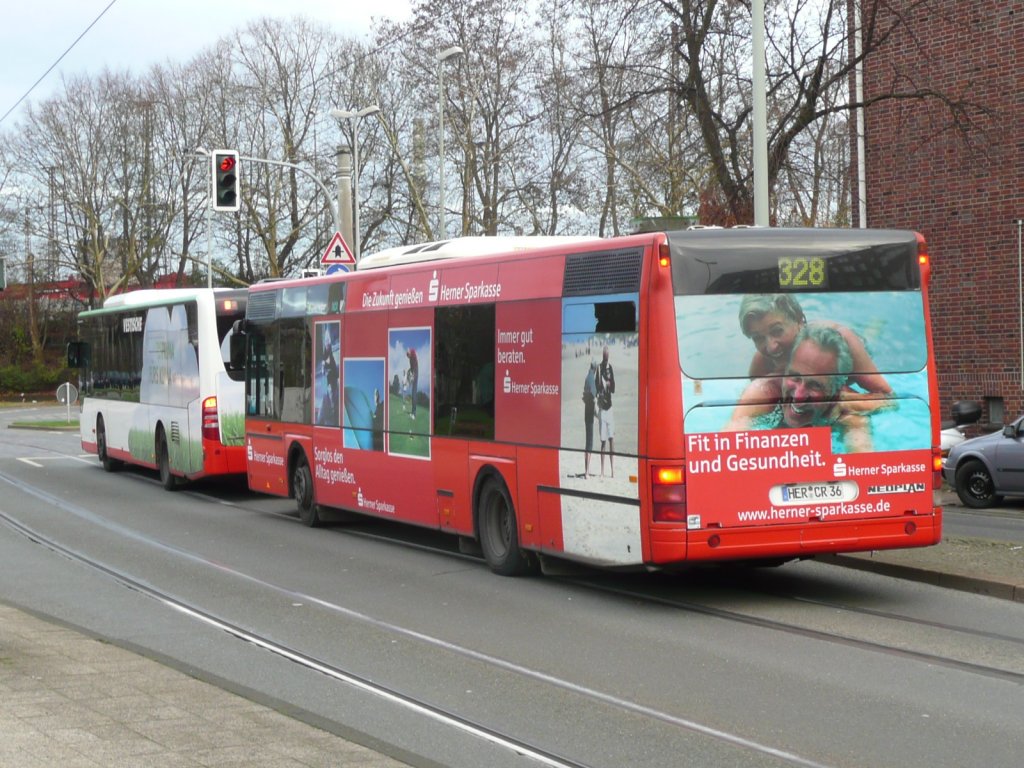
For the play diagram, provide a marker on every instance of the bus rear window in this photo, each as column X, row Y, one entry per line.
column 225, row 326
column 789, row 261
column 751, row 335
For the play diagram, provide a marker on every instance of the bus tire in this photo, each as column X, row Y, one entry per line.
column 974, row 485
column 302, row 489
column 109, row 464
column 498, row 531
column 163, row 462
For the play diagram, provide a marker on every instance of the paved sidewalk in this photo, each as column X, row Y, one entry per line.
column 993, row 568
column 70, row 700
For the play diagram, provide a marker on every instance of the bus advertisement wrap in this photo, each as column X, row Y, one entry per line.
column 827, row 388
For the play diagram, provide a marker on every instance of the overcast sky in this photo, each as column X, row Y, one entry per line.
column 134, row 34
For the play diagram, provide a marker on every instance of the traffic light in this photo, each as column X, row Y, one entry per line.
column 225, row 180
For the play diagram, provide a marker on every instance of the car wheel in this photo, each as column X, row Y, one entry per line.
column 974, row 485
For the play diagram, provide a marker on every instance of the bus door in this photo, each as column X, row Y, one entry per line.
column 266, row 460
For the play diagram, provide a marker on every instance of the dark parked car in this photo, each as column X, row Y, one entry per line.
column 985, row 469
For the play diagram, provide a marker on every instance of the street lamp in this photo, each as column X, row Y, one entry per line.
column 442, row 57
column 355, row 116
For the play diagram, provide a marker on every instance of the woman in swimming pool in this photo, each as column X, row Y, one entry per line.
column 772, row 322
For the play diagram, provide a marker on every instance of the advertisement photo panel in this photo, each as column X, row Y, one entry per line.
column 409, row 400
column 364, row 412
column 327, row 379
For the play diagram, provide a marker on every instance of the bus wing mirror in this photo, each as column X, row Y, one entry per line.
column 78, row 354
column 237, row 351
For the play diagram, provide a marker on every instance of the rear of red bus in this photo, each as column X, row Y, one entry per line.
column 809, row 396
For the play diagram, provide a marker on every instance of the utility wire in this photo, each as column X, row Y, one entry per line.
column 413, row 28
column 58, row 61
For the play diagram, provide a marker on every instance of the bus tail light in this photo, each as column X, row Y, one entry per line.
column 664, row 256
column 936, row 468
column 668, row 493
column 211, row 424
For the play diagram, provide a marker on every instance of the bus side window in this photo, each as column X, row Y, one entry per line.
column 294, row 369
column 464, row 371
column 615, row 317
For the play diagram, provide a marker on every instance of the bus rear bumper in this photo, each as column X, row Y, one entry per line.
column 221, row 459
column 804, row 540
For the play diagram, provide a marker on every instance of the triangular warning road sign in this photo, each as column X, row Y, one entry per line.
column 337, row 252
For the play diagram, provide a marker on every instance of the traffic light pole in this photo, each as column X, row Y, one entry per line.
column 335, row 215
column 323, row 187
column 210, row 192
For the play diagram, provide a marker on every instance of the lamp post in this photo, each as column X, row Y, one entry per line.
column 355, row 116
column 442, row 57
column 760, row 119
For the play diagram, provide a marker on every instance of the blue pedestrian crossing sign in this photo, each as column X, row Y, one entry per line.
column 338, row 253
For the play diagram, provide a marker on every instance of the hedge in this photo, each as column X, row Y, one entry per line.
column 33, row 379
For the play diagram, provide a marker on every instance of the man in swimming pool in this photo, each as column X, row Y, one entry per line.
column 772, row 322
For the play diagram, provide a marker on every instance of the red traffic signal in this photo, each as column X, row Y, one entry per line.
column 226, row 195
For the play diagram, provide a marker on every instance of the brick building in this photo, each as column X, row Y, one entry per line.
column 957, row 176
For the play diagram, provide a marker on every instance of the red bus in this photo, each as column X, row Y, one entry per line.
column 638, row 402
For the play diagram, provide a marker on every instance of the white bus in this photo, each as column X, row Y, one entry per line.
column 157, row 383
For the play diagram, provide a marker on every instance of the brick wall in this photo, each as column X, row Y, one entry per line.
column 957, row 179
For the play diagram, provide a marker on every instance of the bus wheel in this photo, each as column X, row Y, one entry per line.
column 163, row 462
column 302, row 487
column 109, row 464
column 499, row 536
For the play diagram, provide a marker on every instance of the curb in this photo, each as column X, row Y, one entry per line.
column 45, row 427
column 993, row 588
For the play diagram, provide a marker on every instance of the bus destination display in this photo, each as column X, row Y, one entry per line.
column 802, row 272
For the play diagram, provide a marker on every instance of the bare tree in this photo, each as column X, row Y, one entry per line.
column 561, row 116
column 392, row 180
column 283, row 72
column 489, row 110
column 181, row 96
column 82, row 132
column 809, row 70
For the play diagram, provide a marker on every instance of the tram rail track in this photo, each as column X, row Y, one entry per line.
column 467, row 725
column 444, row 716
column 405, row 537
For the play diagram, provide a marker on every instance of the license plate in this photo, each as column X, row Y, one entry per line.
column 814, row 493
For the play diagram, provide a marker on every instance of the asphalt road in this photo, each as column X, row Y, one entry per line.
column 808, row 664
column 1003, row 523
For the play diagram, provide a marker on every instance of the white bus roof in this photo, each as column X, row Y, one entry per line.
column 464, row 247
column 155, row 296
